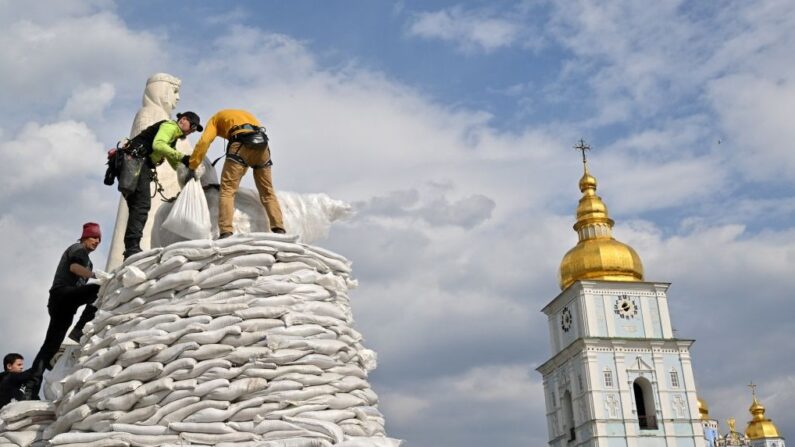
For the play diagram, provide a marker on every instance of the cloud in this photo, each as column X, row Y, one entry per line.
column 470, row 30
column 89, row 103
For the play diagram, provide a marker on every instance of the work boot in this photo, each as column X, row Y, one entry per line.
column 224, row 235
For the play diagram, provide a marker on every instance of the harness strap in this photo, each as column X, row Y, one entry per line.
column 235, row 157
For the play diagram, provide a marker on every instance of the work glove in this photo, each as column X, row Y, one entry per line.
column 186, row 160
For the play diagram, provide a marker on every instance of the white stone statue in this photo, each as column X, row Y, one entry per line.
column 160, row 98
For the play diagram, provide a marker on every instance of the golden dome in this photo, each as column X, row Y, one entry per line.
column 703, row 409
column 760, row 427
column 597, row 255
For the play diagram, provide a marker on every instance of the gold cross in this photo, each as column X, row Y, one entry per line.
column 753, row 388
column 583, row 147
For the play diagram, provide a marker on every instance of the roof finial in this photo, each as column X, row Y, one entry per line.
column 583, row 147
column 753, row 389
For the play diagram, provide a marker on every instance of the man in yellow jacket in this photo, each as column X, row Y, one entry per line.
column 248, row 148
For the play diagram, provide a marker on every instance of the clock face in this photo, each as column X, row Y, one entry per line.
column 625, row 307
column 565, row 319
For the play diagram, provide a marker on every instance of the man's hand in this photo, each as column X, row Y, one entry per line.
column 186, row 161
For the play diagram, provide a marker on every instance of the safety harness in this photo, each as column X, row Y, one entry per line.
column 238, row 134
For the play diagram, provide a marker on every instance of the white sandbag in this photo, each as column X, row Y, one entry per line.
column 170, row 354
column 121, row 403
column 266, row 426
column 177, row 365
column 197, row 243
column 65, row 422
column 140, row 371
column 240, row 387
column 26, row 423
column 300, row 331
column 240, row 284
column 275, row 301
column 349, row 370
column 327, row 347
column 72, row 401
column 225, row 277
column 329, row 415
column 294, row 318
column 180, row 414
column 132, row 276
column 212, row 270
column 114, row 390
column 271, row 312
column 174, row 396
column 267, row 286
column 200, row 427
column 250, row 414
column 184, row 322
column 287, row 268
column 245, row 354
column 76, row 438
column 325, row 309
column 190, row 215
column 378, row 441
column 167, row 266
column 23, row 438
column 169, row 408
column 291, row 435
column 319, row 360
column 260, row 324
column 138, row 414
column 139, row 355
column 308, row 421
column 200, row 367
column 172, row 281
column 222, row 322
column 141, row 429
column 311, row 380
column 193, row 254
column 107, row 442
column 209, row 386
column 206, row 352
column 105, row 357
column 251, row 260
column 22, row 409
column 368, row 359
column 217, row 439
column 155, row 386
column 170, row 338
column 253, row 338
column 216, row 309
column 221, row 373
column 210, row 337
column 284, row 385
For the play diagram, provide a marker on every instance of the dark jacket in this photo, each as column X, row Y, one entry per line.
column 12, row 386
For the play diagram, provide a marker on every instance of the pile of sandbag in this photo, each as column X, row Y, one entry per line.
column 23, row 423
column 246, row 340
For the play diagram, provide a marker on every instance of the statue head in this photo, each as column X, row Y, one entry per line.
column 162, row 91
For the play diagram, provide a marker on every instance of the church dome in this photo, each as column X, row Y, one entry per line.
column 703, row 409
column 760, row 427
column 597, row 255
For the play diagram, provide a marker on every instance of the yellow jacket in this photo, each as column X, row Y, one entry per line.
column 219, row 125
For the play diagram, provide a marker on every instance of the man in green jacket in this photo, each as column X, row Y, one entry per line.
column 158, row 143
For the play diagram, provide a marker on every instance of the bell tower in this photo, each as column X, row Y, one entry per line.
column 617, row 375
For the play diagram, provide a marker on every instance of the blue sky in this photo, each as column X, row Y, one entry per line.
column 449, row 126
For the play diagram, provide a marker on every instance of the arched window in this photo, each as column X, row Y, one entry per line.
column 568, row 415
column 644, row 403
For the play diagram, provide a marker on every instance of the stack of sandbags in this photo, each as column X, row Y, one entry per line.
column 23, row 423
column 248, row 340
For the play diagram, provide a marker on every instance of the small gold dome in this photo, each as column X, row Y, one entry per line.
column 703, row 409
column 597, row 255
column 760, row 427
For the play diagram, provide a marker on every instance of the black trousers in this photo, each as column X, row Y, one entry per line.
column 138, row 204
column 62, row 307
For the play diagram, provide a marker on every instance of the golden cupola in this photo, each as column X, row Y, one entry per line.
column 703, row 409
column 597, row 255
column 760, row 427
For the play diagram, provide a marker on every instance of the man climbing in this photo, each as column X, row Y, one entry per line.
column 13, row 379
column 156, row 143
column 248, row 148
column 69, row 291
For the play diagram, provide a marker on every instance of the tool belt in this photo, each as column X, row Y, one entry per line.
column 249, row 135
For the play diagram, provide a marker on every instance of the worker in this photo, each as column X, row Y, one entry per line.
column 13, row 379
column 69, row 291
column 156, row 143
column 247, row 148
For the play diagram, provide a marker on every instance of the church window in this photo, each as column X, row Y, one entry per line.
column 608, row 378
column 579, row 381
column 644, row 404
column 674, row 379
column 552, row 397
column 568, row 415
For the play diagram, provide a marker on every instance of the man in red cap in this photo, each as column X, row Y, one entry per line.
column 69, row 291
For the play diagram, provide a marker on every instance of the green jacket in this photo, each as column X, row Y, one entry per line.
column 163, row 146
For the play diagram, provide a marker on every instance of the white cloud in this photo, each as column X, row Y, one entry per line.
column 469, row 30
column 89, row 103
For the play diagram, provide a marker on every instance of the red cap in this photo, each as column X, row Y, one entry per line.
column 91, row 229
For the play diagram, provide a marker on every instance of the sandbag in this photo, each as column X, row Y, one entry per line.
column 190, row 215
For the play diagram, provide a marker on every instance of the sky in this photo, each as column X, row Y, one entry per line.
column 449, row 126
